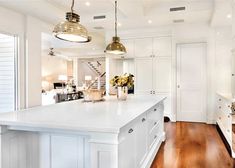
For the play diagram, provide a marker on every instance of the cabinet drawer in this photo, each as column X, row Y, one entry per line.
column 152, row 125
column 154, row 116
column 132, row 127
column 126, row 131
column 226, row 120
column 153, row 136
column 223, row 106
column 155, row 112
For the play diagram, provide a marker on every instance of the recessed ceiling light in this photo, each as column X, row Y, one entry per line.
column 88, row 3
column 150, row 21
column 229, row 16
column 93, row 48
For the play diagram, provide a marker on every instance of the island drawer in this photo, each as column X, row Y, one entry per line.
column 132, row 127
column 154, row 116
column 224, row 106
column 152, row 125
column 153, row 136
column 127, row 130
column 155, row 112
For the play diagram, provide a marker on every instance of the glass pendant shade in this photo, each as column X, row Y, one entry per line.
column 116, row 47
column 71, row 30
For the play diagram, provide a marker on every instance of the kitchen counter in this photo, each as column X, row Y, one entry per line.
column 107, row 116
column 108, row 134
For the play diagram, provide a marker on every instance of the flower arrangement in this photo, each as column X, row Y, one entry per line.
column 123, row 80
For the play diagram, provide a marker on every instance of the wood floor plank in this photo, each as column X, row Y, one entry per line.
column 192, row 145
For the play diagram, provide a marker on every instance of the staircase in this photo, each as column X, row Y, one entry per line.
column 102, row 83
column 94, row 85
column 102, row 76
column 94, row 68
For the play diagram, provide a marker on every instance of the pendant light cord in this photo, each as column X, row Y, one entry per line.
column 72, row 6
column 115, row 18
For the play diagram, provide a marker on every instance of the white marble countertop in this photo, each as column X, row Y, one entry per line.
column 108, row 116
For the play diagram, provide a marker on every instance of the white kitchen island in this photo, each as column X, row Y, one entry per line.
column 109, row 134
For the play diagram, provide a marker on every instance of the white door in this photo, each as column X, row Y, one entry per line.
column 191, row 82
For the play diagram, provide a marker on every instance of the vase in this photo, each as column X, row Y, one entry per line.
column 122, row 93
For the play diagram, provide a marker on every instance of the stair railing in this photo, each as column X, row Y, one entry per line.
column 96, row 80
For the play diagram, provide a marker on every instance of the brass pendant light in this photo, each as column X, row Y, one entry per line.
column 71, row 30
column 116, row 47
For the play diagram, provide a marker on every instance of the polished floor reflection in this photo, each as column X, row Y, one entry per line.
column 192, row 145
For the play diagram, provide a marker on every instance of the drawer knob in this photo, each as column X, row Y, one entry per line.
column 143, row 119
column 130, row 131
column 155, row 123
column 228, row 130
column 219, row 107
column 155, row 110
column 219, row 99
column 229, row 106
column 228, row 116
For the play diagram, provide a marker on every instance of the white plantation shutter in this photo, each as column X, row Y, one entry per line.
column 7, row 73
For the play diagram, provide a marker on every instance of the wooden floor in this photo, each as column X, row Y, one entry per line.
column 192, row 145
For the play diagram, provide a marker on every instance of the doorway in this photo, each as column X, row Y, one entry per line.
column 191, row 82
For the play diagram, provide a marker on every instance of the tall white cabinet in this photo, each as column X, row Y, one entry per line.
column 153, row 66
column 151, row 58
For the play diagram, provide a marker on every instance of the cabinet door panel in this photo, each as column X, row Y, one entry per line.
column 143, row 47
column 64, row 153
column 129, row 44
column 141, row 140
column 143, row 76
column 126, row 149
column 162, row 46
column 162, row 74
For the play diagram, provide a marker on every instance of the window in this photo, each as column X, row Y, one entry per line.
column 8, row 73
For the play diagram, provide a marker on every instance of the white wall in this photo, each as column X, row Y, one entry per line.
column 223, row 44
column 33, row 62
column 52, row 67
column 29, row 30
column 15, row 26
column 193, row 33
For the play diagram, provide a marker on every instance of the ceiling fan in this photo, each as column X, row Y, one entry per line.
column 52, row 53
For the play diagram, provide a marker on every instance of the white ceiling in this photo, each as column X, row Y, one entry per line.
column 95, row 48
column 222, row 12
column 131, row 14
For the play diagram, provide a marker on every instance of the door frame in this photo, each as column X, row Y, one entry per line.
column 205, row 88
